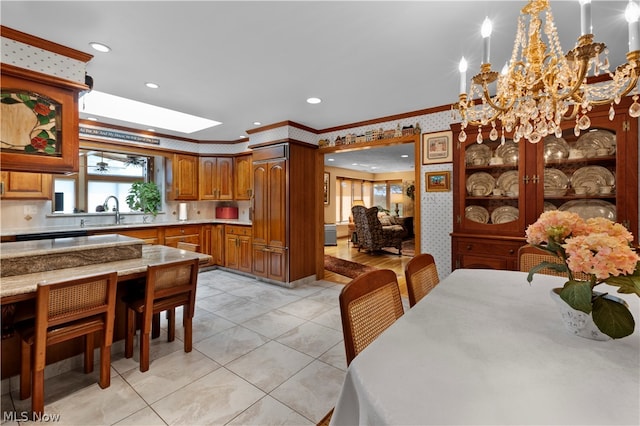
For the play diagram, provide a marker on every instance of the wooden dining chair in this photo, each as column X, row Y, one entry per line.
column 168, row 286
column 369, row 304
column 422, row 276
column 67, row 310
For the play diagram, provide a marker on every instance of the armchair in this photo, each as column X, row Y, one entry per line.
column 371, row 234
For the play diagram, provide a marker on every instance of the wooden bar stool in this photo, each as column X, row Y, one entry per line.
column 66, row 310
column 168, row 286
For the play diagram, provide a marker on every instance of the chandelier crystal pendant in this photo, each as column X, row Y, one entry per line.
column 541, row 86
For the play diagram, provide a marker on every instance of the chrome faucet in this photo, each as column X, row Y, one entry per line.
column 106, row 207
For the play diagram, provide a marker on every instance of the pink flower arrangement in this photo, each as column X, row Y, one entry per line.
column 601, row 250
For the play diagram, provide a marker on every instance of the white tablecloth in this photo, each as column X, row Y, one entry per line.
column 486, row 348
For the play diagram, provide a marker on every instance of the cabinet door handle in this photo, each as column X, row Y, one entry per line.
column 535, row 179
column 469, row 247
column 526, row 179
column 511, row 251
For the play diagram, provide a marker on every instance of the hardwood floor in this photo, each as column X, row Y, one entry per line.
column 382, row 260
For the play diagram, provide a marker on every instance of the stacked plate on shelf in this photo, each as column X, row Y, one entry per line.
column 594, row 140
column 591, row 178
column 588, row 209
column 509, row 152
column 555, row 148
column 508, row 183
column 504, row 214
column 555, row 183
column 477, row 214
column 480, row 184
column 477, row 155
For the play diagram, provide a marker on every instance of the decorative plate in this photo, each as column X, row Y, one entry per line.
column 588, row 209
column 480, row 152
column 480, row 181
column 477, row 214
column 508, row 181
column 504, row 214
column 555, row 179
column 549, row 206
column 591, row 141
column 592, row 178
column 509, row 152
column 555, row 148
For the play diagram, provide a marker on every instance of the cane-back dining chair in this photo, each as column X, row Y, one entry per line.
column 369, row 304
column 422, row 276
column 67, row 310
column 168, row 286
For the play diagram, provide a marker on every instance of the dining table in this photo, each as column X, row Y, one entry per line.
column 486, row 347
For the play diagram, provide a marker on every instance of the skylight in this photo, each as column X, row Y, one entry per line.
column 115, row 107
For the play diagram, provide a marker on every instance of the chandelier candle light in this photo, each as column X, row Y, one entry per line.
column 541, row 86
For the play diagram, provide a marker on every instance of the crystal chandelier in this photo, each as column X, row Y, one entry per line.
column 541, row 86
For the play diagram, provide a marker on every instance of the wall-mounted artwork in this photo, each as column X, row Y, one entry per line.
column 438, row 181
column 437, row 147
column 325, row 186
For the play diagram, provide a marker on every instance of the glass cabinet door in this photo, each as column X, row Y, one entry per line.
column 492, row 186
column 580, row 173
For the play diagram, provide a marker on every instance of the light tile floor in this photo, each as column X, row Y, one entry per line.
column 263, row 355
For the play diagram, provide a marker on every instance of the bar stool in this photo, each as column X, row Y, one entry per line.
column 168, row 286
column 66, row 310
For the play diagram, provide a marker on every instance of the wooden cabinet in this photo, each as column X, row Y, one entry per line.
column 23, row 186
column 186, row 234
column 216, row 178
column 52, row 147
column 148, row 235
column 182, row 177
column 283, row 211
column 242, row 188
column 566, row 173
column 238, row 247
column 213, row 243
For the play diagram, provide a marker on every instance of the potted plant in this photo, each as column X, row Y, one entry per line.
column 596, row 248
column 144, row 197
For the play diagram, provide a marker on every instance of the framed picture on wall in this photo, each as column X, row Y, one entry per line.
column 326, row 187
column 437, row 147
column 438, row 181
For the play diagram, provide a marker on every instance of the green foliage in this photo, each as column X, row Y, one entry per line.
column 145, row 197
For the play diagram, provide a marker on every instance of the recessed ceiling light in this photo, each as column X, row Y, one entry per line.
column 314, row 100
column 404, row 156
column 241, row 137
column 151, row 85
column 151, row 130
column 331, row 159
column 92, row 119
column 100, row 47
column 117, row 108
column 256, row 123
column 354, row 164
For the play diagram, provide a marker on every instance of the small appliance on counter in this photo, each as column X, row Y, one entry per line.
column 182, row 211
column 226, row 212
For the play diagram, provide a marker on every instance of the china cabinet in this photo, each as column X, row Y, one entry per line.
column 500, row 189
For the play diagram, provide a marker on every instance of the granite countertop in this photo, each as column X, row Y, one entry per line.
column 48, row 247
column 112, row 227
column 151, row 254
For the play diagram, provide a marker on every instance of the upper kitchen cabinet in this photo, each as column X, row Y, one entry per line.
column 216, row 178
column 242, row 186
column 181, row 173
column 25, row 186
column 39, row 105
